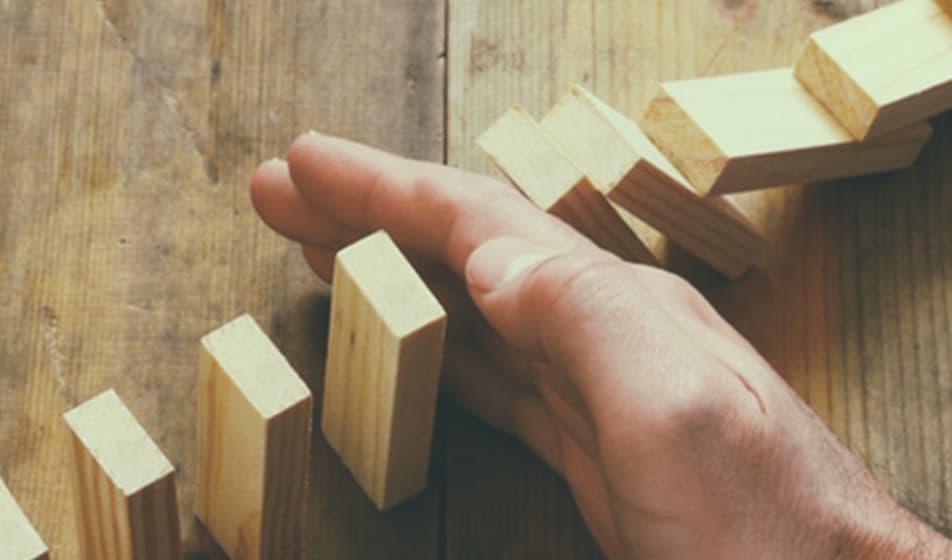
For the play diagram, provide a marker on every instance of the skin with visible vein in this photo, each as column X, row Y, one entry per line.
column 676, row 437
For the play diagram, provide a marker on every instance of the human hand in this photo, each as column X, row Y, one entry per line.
column 676, row 438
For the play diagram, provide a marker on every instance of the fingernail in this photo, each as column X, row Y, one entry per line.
column 276, row 160
column 499, row 261
column 312, row 132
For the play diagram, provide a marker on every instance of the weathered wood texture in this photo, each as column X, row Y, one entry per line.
column 853, row 306
column 128, row 132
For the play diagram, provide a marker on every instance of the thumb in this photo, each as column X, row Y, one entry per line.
column 583, row 311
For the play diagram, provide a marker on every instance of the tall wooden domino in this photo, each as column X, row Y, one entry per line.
column 124, row 486
column 883, row 70
column 624, row 165
column 383, row 365
column 763, row 129
column 548, row 177
column 254, row 434
column 18, row 539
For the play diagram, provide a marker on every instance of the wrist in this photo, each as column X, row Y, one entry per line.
column 897, row 534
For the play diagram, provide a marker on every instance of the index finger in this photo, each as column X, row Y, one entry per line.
column 433, row 209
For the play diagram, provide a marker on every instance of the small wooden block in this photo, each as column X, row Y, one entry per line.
column 383, row 366
column 763, row 129
column 124, row 486
column 630, row 170
column 18, row 539
column 540, row 169
column 254, row 436
column 883, row 70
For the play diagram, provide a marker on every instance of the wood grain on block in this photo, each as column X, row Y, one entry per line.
column 18, row 539
column 884, row 70
column 763, row 129
column 540, row 169
column 254, row 433
column 623, row 164
column 124, row 486
column 383, row 364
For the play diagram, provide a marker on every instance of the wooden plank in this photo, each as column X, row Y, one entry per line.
column 627, row 167
column 254, row 433
column 762, row 129
column 124, row 488
column 106, row 116
column 884, row 70
column 548, row 176
column 18, row 539
column 384, row 356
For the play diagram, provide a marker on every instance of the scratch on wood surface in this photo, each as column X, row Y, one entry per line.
column 215, row 19
column 53, row 340
column 153, row 79
column 143, row 310
column 711, row 65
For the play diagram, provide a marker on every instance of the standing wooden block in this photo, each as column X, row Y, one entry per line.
column 538, row 167
column 383, row 366
column 631, row 171
column 124, row 486
column 883, row 70
column 18, row 539
column 254, row 435
column 763, row 129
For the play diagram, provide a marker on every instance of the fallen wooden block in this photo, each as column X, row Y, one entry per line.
column 883, row 70
column 763, row 129
column 383, row 364
column 124, row 486
column 18, row 539
column 254, row 435
column 629, row 169
column 549, row 178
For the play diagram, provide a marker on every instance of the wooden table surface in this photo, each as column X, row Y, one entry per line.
column 129, row 129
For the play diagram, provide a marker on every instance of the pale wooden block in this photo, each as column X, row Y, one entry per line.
column 763, row 129
column 254, row 435
column 629, row 169
column 383, row 364
column 883, row 70
column 18, row 539
column 548, row 177
column 124, row 486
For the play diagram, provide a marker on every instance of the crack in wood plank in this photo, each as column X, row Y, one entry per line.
column 167, row 94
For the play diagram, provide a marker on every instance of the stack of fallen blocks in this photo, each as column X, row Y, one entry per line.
column 855, row 103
